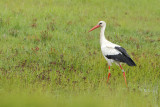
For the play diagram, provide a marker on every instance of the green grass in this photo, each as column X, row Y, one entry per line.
column 48, row 58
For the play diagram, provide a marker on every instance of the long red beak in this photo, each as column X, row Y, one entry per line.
column 97, row 26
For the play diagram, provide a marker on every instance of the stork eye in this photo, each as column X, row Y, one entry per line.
column 100, row 23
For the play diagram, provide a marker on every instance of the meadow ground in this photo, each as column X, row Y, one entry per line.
column 48, row 58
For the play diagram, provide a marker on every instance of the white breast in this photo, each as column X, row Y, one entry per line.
column 108, row 48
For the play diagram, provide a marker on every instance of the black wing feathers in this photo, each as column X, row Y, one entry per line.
column 124, row 57
column 122, row 50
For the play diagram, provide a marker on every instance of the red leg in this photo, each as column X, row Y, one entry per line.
column 109, row 74
column 123, row 74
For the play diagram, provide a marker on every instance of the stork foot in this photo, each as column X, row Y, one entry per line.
column 125, row 78
column 109, row 74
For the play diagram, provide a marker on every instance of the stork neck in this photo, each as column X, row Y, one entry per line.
column 102, row 36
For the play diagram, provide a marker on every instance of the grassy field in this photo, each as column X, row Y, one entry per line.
column 48, row 58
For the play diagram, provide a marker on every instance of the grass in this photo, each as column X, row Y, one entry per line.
column 48, row 58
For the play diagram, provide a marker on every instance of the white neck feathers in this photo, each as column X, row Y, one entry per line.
column 102, row 36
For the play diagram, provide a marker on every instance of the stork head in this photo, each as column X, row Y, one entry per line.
column 100, row 24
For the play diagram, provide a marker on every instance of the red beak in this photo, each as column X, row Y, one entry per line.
column 97, row 26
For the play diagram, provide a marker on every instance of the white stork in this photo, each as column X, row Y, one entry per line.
column 113, row 53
